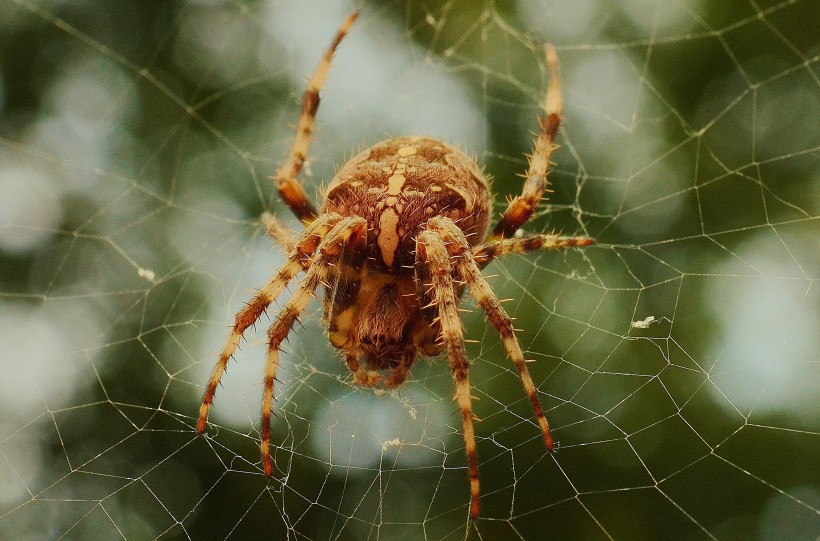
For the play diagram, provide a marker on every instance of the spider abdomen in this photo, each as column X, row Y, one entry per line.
column 398, row 185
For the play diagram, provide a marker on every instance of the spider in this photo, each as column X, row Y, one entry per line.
column 402, row 231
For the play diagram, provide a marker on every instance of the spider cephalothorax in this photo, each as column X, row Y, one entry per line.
column 402, row 231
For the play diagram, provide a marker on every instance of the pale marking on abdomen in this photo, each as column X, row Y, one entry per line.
column 388, row 239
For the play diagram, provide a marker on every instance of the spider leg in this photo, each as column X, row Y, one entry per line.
column 341, row 299
column 431, row 251
column 298, row 258
column 348, row 233
column 484, row 253
column 521, row 207
column 290, row 189
column 278, row 231
column 467, row 268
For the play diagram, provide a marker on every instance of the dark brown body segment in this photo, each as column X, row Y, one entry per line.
column 398, row 185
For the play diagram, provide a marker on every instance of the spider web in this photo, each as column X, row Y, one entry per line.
column 676, row 360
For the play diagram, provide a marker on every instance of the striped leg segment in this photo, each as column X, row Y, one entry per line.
column 521, row 208
column 297, row 261
column 467, row 268
column 290, row 189
column 349, row 233
column 483, row 254
column 278, row 232
column 431, row 252
column 499, row 319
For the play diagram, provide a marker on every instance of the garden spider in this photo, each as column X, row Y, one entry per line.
column 401, row 232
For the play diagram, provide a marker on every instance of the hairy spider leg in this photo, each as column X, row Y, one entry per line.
column 432, row 253
column 520, row 208
column 484, row 253
column 298, row 260
column 467, row 268
column 278, row 231
column 348, row 234
column 290, row 189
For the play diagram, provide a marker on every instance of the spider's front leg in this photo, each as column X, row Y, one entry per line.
column 466, row 266
column 433, row 263
column 348, row 234
column 297, row 260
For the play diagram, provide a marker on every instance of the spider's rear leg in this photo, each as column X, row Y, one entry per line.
column 290, row 189
column 431, row 253
column 520, row 209
column 295, row 263
column 484, row 253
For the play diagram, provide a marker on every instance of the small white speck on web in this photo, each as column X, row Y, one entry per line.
column 148, row 274
column 391, row 443
column 412, row 411
column 644, row 323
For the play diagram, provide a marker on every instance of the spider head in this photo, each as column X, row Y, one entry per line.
column 382, row 352
column 391, row 328
column 384, row 324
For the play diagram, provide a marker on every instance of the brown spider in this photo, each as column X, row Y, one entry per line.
column 402, row 230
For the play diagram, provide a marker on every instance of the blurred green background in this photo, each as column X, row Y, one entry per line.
column 677, row 359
